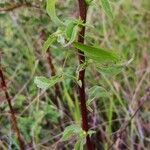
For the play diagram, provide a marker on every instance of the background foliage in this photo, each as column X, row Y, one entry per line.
column 113, row 93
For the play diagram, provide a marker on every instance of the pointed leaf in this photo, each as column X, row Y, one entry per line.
column 107, row 8
column 80, row 144
column 96, row 92
column 49, row 42
column 71, row 31
column 73, row 35
column 70, row 24
column 70, row 131
column 110, row 71
column 97, row 54
column 44, row 83
column 50, row 8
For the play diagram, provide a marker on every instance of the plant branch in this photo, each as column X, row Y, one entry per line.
column 58, row 94
column 82, row 95
column 16, row 6
column 57, row 86
column 53, row 72
column 49, row 57
column 13, row 117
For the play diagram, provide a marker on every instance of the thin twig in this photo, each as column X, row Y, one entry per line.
column 49, row 57
column 56, row 86
column 16, row 6
column 13, row 117
column 53, row 73
column 58, row 94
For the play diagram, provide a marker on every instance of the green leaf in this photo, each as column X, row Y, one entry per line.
column 44, row 83
column 71, row 32
column 70, row 24
column 70, row 131
column 50, row 8
column 96, row 92
column 107, row 8
column 73, row 35
column 20, row 100
column 98, row 54
column 88, row 2
column 80, row 144
column 36, row 128
column 25, row 125
column 51, row 39
column 51, row 113
column 110, row 71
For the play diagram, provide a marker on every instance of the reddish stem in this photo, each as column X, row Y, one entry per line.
column 57, row 87
column 53, row 73
column 58, row 94
column 13, row 117
column 82, row 95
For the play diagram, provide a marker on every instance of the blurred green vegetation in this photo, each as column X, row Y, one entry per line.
column 116, row 94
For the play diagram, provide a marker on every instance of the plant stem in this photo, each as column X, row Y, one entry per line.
column 49, row 57
column 53, row 73
column 82, row 95
column 57, row 87
column 16, row 6
column 13, row 117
